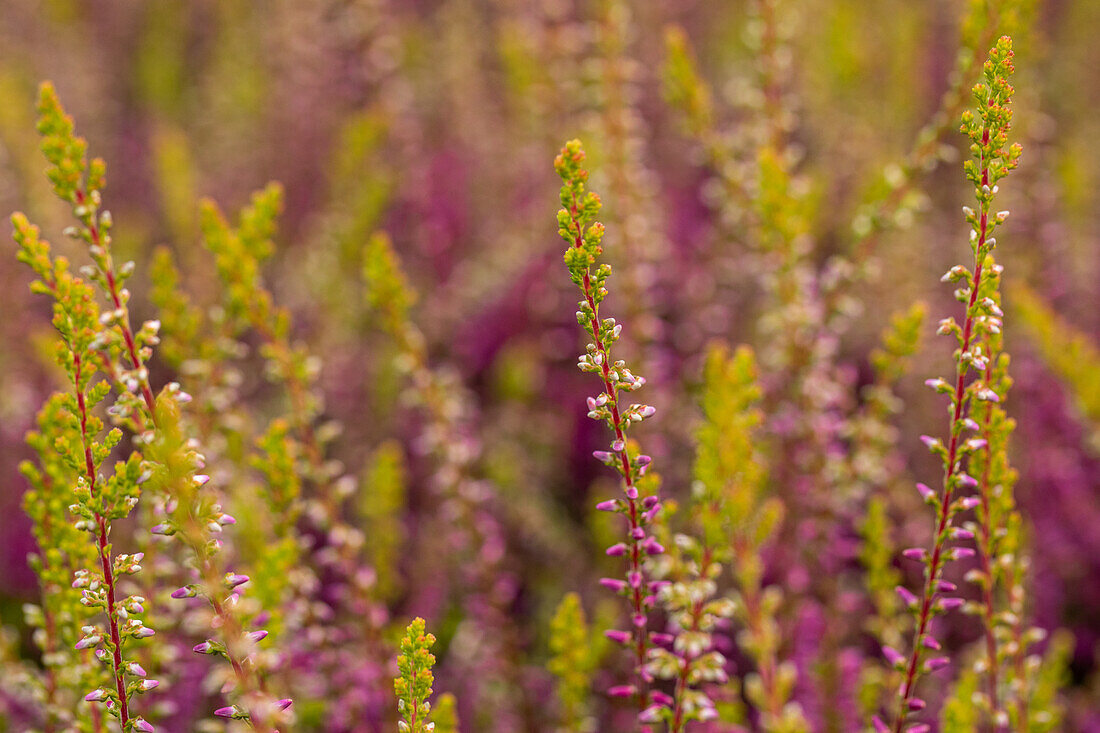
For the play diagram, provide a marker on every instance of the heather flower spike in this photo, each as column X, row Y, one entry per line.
column 414, row 686
column 168, row 467
column 83, row 337
column 577, row 225
column 992, row 160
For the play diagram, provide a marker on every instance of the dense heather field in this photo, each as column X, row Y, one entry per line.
column 292, row 431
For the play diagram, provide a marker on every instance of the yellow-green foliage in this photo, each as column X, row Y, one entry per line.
column 445, row 714
column 960, row 714
column 239, row 252
column 683, row 87
column 731, row 480
column 388, row 292
column 380, row 504
column 62, row 549
column 1046, row 707
column 1071, row 354
column 574, row 656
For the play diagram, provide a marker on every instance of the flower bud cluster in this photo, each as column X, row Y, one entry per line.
column 414, row 685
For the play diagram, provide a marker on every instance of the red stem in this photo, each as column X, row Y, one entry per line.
column 124, row 322
column 952, row 463
column 636, row 599
column 104, row 550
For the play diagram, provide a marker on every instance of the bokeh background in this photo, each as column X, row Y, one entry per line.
column 437, row 121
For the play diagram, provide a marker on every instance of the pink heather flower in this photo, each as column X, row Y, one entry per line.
column 915, row 553
column 608, row 506
column 937, row 663
column 893, row 656
column 930, row 442
column 140, row 724
column 617, row 550
column 967, row 481
column 227, row 712
column 621, row 637
column 234, row 579
column 87, row 642
column 906, row 595
column 96, row 695
column 622, row 691
column 662, row 699
column 613, row 584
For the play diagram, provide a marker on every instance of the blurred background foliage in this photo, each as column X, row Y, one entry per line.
column 436, row 121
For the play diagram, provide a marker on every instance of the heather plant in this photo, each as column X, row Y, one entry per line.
column 1071, row 354
column 577, row 225
column 168, row 469
column 978, row 338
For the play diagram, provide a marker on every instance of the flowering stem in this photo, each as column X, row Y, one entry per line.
column 678, row 721
column 951, row 469
column 991, row 162
column 104, row 548
column 640, row 636
column 113, row 290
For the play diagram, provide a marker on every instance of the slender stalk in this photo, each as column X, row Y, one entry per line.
column 991, row 162
column 123, row 323
column 641, row 638
column 104, row 548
